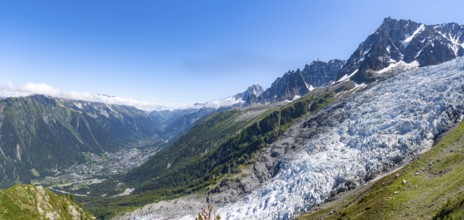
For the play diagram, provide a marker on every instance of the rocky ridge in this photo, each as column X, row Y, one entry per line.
column 403, row 43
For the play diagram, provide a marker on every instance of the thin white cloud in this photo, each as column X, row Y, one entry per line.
column 30, row 88
column 40, row 88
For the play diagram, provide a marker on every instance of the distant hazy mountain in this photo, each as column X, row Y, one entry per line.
column 248, row 96
column 175, row 122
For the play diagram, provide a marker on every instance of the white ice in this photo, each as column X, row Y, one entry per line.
column 391, row 122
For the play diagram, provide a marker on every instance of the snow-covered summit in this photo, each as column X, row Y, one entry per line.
column 406, row 43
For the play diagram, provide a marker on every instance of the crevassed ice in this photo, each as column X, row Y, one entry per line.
column 391, row 122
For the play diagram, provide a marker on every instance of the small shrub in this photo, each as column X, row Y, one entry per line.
column 207, row 214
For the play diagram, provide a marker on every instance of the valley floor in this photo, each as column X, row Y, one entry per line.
column 78, row 179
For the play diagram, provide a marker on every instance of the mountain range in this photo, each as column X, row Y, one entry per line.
column 263, row 153
column 396, row 45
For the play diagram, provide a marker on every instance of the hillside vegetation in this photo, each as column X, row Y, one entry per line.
column 427, row 188
column 217, row 146
column 34, row 202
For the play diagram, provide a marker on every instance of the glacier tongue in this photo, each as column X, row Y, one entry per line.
column 374, row 130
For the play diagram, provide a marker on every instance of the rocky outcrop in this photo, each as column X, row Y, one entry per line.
column 298, row 83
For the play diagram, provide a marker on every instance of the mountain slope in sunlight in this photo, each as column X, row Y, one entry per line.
column 34, row 202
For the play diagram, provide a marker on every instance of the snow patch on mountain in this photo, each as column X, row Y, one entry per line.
column 376, row 129
column 399, row 66
column 347, row 77
column 408, row 39
column 455, row 41
column 229, row 101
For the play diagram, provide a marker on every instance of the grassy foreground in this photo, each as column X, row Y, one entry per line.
column 31, row 202
column 430, row 187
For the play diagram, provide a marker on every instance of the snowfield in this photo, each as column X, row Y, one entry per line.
column 371, row 132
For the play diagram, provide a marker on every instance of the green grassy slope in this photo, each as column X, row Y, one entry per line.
column 431, row 187
column 30, row 202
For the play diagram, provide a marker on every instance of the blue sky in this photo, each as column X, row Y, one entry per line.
column 176, row 51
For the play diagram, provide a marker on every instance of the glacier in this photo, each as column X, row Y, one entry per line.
column 371, row 132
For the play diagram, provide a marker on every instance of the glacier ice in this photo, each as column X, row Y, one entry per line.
column 375, row 129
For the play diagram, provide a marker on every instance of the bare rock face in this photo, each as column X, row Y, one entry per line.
column 300, row 82
column 186, row 208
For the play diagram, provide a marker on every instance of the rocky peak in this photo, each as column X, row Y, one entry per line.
column 406, row 44
column 287, row 87
column 298, row 83
column 320, row 73
column 251, row 94
column 255, row 90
